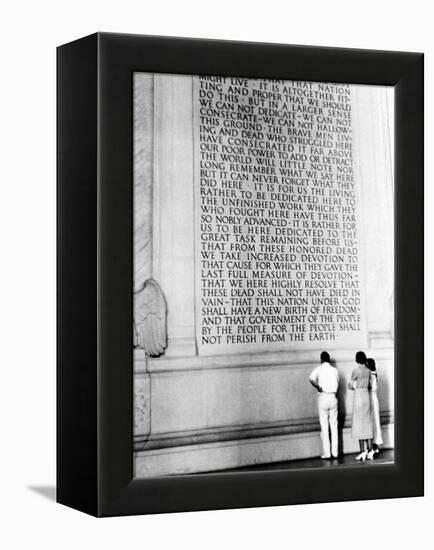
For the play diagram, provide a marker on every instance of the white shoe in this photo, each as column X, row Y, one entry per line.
column 325, row 457
column 362, row 456
column 370, row 455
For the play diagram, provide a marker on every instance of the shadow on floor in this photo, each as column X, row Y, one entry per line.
column 386, row 456
column 47, row 491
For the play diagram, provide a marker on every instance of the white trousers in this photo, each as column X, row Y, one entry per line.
column 328, row 417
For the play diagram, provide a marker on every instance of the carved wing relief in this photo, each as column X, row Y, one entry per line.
column 150, row 321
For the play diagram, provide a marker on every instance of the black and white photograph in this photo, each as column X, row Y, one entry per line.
column 263, row 274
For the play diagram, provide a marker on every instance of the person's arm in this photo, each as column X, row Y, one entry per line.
column 372, row 385
column 315, row 385
column 313, row 379
column 352, row 385
column 338, row 381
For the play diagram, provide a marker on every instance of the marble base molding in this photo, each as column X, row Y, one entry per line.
column 224, row 455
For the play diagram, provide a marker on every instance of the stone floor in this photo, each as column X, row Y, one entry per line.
column 386, row 456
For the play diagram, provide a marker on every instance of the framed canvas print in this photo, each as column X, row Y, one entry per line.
column 240, row 288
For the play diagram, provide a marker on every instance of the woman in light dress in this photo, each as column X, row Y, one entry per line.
column 378, row 440
column 362, row 428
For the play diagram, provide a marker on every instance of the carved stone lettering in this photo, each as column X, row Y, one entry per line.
column 278, row 257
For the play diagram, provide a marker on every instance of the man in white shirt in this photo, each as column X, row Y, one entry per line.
column 325, row 379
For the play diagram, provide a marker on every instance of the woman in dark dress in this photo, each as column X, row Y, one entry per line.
column 362, row 408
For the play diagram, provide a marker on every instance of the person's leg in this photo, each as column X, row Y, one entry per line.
column 363, row 452
column 333, row 419
column 378, row 440
column 371, row 452
column 324, row 423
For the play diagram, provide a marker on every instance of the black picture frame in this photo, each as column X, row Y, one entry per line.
column 95, row 273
